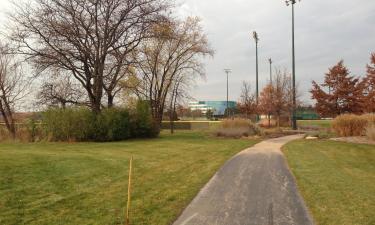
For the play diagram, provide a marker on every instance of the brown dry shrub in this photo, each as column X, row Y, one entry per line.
column 370, row 132
column 238, row 128
column 352, row 125
column 370, row 117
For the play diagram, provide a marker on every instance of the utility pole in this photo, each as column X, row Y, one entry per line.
column 294, row 121
column 256, row 38
column 227, row 71
column 270, row 61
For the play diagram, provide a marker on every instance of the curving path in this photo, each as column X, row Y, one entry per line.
column 255, row 187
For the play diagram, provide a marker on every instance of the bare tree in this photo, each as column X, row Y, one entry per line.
column 175, row 50
column 247, row 104
column 179, row 92
column 91, row 39
column 13, row 87
column 282, row 94
column 60, row 90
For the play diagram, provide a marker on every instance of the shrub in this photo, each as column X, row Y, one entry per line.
column 238, row 128
column 351, row 125
column 143, row 124
column 370, row 117
column 80, row 124
column 370, row 132
column 111, row 125
column 70, row 124
column 33, row 129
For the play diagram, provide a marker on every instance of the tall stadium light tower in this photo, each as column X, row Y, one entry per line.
column 227, row 71
column 270, row 61
column 256, row 39
column 294, row 121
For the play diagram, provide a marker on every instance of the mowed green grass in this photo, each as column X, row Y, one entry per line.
column 86, row 183
column 316, row 123
column 337, row 180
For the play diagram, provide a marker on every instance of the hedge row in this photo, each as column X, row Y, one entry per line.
column 115, row 124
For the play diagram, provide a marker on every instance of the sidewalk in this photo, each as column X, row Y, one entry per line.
column 255, row 187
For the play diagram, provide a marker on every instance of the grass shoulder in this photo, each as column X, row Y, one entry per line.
column 337, row 180
column 86, row 183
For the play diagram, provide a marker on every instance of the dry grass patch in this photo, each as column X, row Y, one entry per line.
column 352, row 125
column 370, row 132
column 238, row 128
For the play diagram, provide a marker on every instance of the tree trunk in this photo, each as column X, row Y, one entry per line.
column 110, row 101
column 269, row 120
column 8, row 118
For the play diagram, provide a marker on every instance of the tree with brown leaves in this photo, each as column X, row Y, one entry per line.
column 266, row 102
column 340, row 93
column 369, row 87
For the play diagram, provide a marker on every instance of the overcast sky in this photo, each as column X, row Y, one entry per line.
column 326, row 31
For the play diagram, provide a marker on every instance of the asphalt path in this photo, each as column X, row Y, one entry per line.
column 255, row 187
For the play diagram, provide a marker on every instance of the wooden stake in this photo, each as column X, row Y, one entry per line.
column 129, row 190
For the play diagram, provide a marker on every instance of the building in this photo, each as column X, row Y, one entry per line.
column 217, row 107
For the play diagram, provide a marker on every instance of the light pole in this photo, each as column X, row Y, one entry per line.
column 270, row 61
column 256, row 38
column 227, row 71
column 294, row 121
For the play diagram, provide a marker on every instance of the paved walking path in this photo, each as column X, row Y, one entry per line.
column 253, row 188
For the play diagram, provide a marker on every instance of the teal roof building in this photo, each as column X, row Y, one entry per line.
column 217, row 107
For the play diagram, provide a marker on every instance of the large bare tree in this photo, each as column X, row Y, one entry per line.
column 13, row 87
column 175, row 50
column 91, row 39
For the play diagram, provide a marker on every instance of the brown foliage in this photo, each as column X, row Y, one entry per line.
column 370, row 132
column 368, row 102
column 340, row 93
column 349, row 125
column 276, row 98
column 238, row 128
column 247, row 104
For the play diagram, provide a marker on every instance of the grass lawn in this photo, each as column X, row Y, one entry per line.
column 86, row 183
column 336, row 179
column 317, row 123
